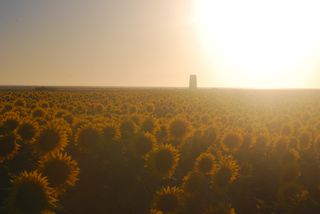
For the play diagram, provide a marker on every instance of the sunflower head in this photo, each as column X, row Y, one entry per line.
column 38, row 113
column 111, row 132
column 9, row 122
column 30, row 194
column 143, row 143
column 8, row 147
column 28, row 130
column 227, row 172
column 88, row 137
column 168, row 200
column 232, row 141
column 128, row 128
column 290, row 195
column 179, row 128
column 19, row 103
column 205, row 163
column 163, row 160
column 149, row 125
column 195, row 182
column 60, row 170
column 162, row 133
column 52, row 138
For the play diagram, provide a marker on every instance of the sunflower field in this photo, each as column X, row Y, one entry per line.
column 159, row 151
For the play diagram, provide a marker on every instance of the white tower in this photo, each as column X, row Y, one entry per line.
column 193, row 81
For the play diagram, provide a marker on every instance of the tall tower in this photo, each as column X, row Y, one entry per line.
column 193, row 81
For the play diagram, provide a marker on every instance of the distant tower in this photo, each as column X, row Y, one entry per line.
column 193, row 81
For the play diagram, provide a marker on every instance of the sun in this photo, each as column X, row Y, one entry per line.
column 259, row 44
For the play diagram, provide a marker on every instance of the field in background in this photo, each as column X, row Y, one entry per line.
column 159, row 151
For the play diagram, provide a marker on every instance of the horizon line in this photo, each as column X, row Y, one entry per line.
column 154, row 87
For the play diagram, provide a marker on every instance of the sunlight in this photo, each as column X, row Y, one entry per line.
column 260, row 44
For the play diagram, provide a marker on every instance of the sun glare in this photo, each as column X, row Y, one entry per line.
column 259, row 44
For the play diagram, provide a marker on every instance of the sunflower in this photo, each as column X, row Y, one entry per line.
column 111, row 132
column 226, row 173
column 38, row 113
column 150, row 125
column 168, row 200
column 231, row 141
column 290, row 195
column 143, row 143
column 28, row 130
column 52, row 138
column 205, row 163
column 19, row 103
column 162, row 133
column 60, row 170
column 9, row 122
column 127, row 128
column 88, row 137
column 179, row 128
column 163, row 160
column 8, row 147
column 30, row 194
column 195, row 182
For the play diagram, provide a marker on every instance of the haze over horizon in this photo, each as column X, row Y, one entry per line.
column 160, row 43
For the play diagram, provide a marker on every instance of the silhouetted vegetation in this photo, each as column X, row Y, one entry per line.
column 159, row 151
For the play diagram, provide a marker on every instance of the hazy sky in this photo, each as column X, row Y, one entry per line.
column 81, row 42
column 158, row 43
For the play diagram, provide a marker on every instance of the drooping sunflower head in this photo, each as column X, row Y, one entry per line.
column 52, row 138
column 168, row 200
column 28, row 130
column 8, row 147
column 88, row 137
column 163, row 160
column 143, row 143
column 30, row 194
column 60, row 169
column 205, row 163
column 231, row 141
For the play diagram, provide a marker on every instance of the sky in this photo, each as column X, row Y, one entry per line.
column 158, row 43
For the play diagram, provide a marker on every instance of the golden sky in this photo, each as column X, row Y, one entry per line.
column 160, row 43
